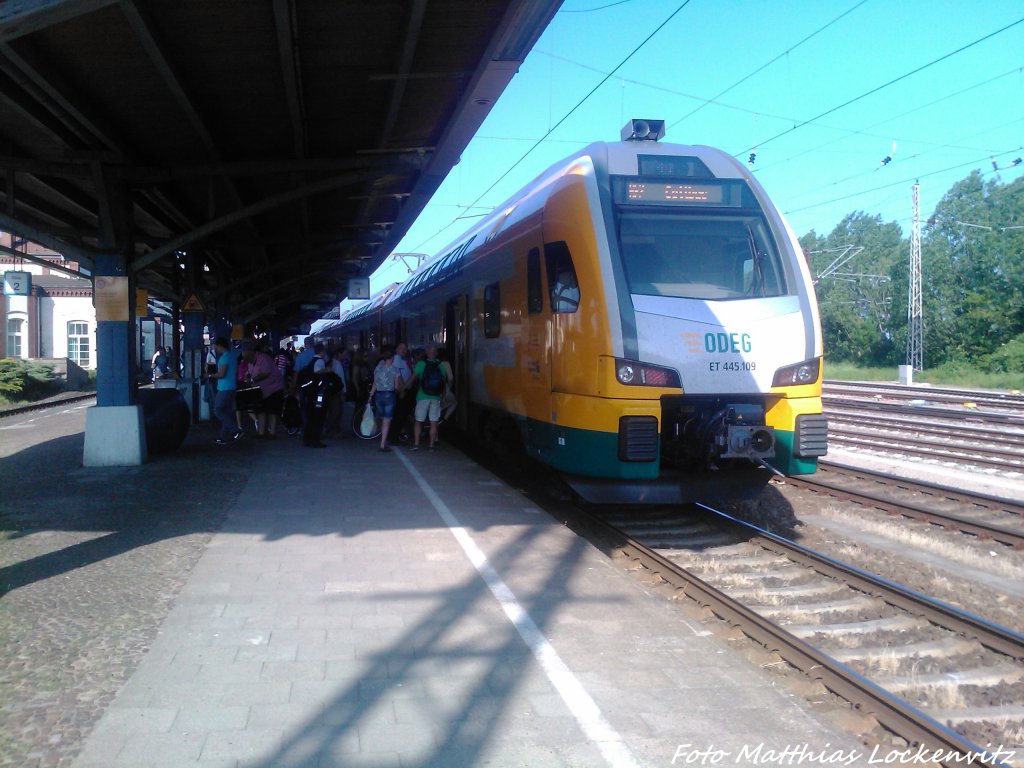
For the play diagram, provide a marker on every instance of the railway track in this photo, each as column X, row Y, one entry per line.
column 906, row 439
column 951, row 430
column 932, row 674
column 987, row 517
column 1007, row 402
column 51, row 402
column 922, row 410
column 983, row 439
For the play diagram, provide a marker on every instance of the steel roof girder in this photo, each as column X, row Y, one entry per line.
column 28, row 16
column 244, row 213
column 36, row 235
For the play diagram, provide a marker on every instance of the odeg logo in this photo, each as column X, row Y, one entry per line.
column 727, row 342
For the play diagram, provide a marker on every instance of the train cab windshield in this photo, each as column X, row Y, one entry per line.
column 681, row 254
column 696, row 239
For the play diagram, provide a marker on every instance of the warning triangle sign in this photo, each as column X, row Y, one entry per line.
column 193, row 304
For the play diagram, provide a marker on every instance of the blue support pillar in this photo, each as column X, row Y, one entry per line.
column 115, row 332
column 115, row 430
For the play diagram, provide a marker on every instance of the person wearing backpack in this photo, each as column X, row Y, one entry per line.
column 430, row 378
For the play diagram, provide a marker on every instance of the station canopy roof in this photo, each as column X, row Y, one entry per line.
column 281, row 146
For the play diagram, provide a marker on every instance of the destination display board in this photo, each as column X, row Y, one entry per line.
column 697, row 193
column 665, row 192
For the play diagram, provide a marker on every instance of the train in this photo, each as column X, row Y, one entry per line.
column 639, row 318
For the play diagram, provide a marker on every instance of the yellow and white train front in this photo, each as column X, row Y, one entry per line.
column 714, row 338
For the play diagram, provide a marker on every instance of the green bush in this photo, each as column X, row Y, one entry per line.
column 27, row 380
column 1009, row 358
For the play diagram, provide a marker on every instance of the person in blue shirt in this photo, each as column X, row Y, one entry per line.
column 224, row 401
column 305, row 357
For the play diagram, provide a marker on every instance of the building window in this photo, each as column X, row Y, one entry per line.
column 78, row 343
column 15, row 335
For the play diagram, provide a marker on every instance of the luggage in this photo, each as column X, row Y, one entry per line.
column 248, row 398
column 291, row 417
column 365, row 424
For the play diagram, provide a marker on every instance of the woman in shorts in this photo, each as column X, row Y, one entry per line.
column 387, row 383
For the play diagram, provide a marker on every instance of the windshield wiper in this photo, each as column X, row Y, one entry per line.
column 758, row 258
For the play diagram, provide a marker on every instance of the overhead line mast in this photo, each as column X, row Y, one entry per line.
column 915, row 323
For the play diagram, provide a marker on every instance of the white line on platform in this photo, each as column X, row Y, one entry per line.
column 576, row 698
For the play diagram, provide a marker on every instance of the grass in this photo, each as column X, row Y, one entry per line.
column 947, row 376
column 950, row 548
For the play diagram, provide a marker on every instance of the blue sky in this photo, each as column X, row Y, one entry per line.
column 820, row 91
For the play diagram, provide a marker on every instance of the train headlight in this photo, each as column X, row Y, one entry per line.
column 627, row 374
column 636, row 374
column 801, row 373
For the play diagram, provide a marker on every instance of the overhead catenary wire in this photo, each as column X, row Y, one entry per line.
column 866, row 131
column 900, row 182
column 767, row 64
column 605, row 76
column 568, row 114
column 907, row 159
column 850, row 131
column 892, row 82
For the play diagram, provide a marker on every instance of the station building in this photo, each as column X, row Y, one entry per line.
column 47, row 313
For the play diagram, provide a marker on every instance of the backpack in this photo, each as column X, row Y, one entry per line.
column 304, row 376
column 432, row 378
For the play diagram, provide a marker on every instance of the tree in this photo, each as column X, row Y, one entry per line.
column 856, row 299
column 972, row 255
column 974, row 271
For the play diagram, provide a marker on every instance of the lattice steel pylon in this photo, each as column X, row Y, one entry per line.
column 915, row 320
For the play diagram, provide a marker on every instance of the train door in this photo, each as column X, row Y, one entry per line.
column 564, row 297
column 456, row 346
column 535, row 356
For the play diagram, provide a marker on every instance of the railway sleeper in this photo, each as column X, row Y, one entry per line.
column 674, row 542
column 858, row 604
column 980, row 676
column 1002, row 714
column 887, row 623
column 937, row 649
column 814, row 589
column 780, row 577
column 735, row 556
column 651, row 527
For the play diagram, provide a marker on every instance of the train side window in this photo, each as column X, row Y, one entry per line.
column 534, row 290
column 565, row 289
column 492, row 311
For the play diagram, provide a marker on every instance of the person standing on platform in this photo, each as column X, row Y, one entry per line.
column 360, row 376
column 305, row 357
column 270, row 380
column 449, row 402
column 160, row 364
column 243, row 379
column 430, row 377
column 337, row 367
column 283, row 361
column 209, row 384
column 387, row 383
column 404, row 404
column 224, row 402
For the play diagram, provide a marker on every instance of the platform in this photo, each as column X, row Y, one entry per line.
column 359, row 608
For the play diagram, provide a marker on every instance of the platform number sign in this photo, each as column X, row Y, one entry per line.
column 359, row 288
column 17, row 283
